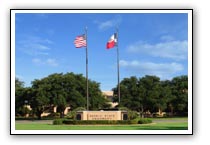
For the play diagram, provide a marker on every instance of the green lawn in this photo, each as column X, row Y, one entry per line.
column 164, row 124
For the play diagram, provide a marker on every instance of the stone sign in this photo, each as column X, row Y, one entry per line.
column 101, row 115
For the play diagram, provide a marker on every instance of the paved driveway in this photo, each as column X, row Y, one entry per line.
column 159, row 120
column 34, row 121
column 169, row 120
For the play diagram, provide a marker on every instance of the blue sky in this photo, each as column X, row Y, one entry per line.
column 149, row 44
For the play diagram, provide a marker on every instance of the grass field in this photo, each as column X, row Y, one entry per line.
column 158, row 124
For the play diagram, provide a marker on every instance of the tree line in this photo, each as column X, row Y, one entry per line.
column 144, row 94
column 60, row 90
column 149, row 94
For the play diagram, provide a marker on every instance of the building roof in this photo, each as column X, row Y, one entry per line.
column 108, row 93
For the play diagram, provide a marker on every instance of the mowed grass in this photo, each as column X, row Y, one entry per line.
column 165, row 124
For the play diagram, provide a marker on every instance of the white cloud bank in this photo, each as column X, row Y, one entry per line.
column 163, row 70
column 176, row 50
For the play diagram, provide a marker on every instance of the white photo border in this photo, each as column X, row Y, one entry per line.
column 13, row 131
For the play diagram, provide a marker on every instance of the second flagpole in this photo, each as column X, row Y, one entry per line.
column 87, row 92
column 118, row 65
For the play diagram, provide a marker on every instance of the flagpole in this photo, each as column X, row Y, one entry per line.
column 87, row 92
column 118, row 66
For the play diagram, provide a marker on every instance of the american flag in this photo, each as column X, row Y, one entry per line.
column 80, row 41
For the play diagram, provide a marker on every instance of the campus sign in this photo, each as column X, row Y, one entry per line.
column 101, row 115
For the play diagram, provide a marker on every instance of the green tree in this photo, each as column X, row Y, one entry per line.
column 165, row 95
column 62, row 90
column 57, row 93
column 39, row 97
column 96, row 99
column 130, row 93
column 150, row 86
column 179, row 89
column 150, row 94
column 74, row 86
column 18, row 84
column 21, row 98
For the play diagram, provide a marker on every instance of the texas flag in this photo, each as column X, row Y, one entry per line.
column 112, row 41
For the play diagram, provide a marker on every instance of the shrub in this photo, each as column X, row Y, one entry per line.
column 95, row 122
column 132, row 115
column 144, row 120
column 58, row 121
column 123, row 109
column 72, row 114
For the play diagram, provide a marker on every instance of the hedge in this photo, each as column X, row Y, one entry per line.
column 58, row 121
column 95, row 122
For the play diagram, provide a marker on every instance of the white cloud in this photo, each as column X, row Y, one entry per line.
column 38, row 62
column 32, row 45
column 163, row 70
column 39, row 46
column 51, row 62
column 48, row 62
column 167, row 38
column 19, row 76
column 175, row 49
column 106, row 24
column 109, row 23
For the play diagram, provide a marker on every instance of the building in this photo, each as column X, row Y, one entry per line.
column 109, row 96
